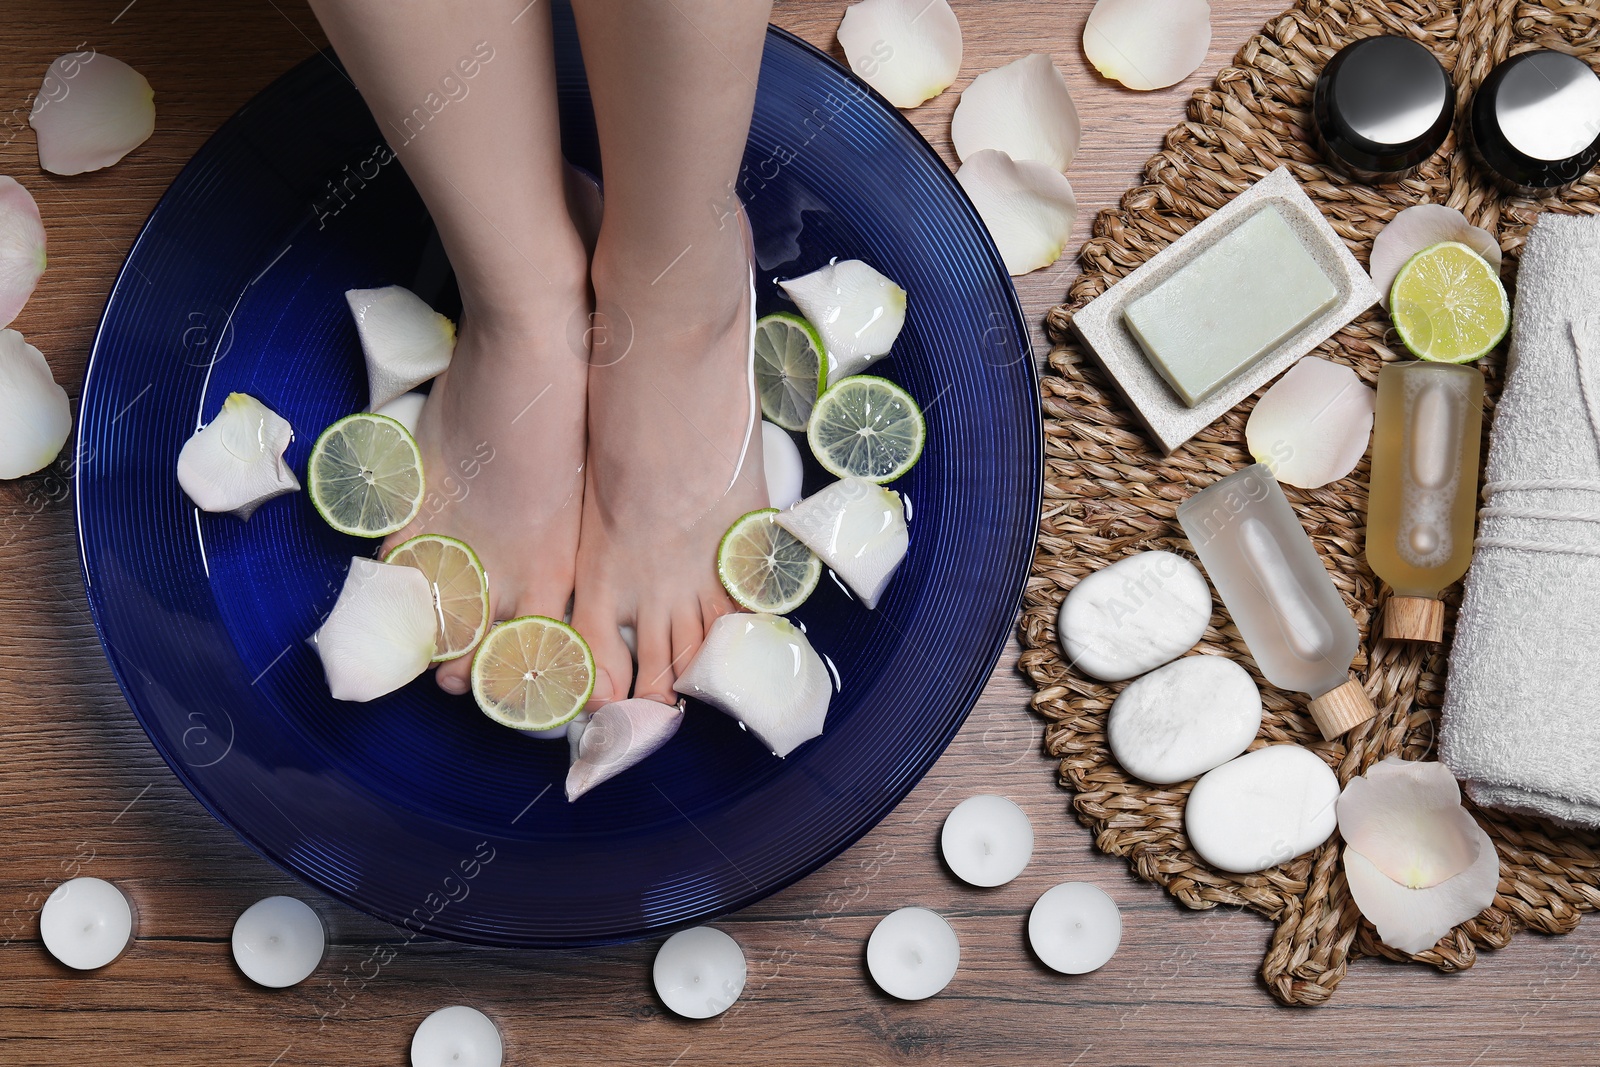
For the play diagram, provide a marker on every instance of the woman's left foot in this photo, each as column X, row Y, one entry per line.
column 674, row 458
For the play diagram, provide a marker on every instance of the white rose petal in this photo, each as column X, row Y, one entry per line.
column 1312, row 427
column 35, row 417
column 1022, row 109
column 405, row 341
column 908, row 50
column 858, row 311
column 761, row 670
column 22, row 257
column 380, row 634
column 90, row 111
column 1416, row 861
column 235, row 462
column 1148, row 44
column 1028, row 207
column 1419, row 227
column 616, row 737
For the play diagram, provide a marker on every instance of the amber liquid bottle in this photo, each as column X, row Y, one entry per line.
column 1424, row 490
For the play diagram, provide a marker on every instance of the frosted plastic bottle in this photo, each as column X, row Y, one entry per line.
column 1279, row 594
column 1424, row 489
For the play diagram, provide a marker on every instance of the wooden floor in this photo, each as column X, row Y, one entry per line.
column 82, row 789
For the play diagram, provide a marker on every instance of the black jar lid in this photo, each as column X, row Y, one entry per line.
column 1536, row 120
column 1382, row 105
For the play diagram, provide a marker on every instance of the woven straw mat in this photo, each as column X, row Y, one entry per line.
column 1109, row 492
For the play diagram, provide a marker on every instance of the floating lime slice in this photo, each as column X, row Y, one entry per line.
column 764, row 567
column 365, row 476
column 791, row 365
column 867, row 427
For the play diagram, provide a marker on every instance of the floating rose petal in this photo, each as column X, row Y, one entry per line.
column 1419, row 227
column 235, row 462
column 1417, row 862
column 35, row 417
column 1022, row 109
column 406, row 409
column 1148, row 44
column 405, row 341
column 616, row 737
column 380, row 634
column 1027, row 205
column 761, row 670
column 90, row 111
column 857, row 528
column 21, row 248
column 908, row 50
column 1313, row 425
column 858, row 311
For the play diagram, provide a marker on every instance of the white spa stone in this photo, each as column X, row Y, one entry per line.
column 1134, row 615
column 1183, row 719
column 1261, row 809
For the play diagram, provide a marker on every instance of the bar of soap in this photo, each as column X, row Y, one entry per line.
column 1230, row 305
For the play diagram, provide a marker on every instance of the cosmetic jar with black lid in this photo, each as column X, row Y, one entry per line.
column 1536, row 121
column 1381, row 107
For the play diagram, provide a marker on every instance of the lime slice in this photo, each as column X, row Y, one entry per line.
column 791, row 367
column 532, row 673
column 764, row 567
column 460, row 590
column 365, row 476
column 867, row 427
column 1448, row 304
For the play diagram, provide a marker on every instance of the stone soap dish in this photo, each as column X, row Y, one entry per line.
column 1099, row 324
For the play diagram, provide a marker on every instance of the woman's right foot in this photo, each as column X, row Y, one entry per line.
column 502, row 437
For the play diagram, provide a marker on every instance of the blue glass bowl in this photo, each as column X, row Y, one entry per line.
column 416, row 808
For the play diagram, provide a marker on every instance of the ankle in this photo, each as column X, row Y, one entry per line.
column 702, row 288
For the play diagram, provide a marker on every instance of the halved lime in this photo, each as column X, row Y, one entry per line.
column 1448, row 304
column 867, row 427
column 532, row 673
column 460, row 590
column 764, row 567
column 791, row 367
column 365, row 476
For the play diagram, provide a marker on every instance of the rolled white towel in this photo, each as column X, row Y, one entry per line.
column 1522, row 702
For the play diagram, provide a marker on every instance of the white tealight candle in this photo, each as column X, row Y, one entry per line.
column 278, row 942
column 913, row 953
column 458, row 1036
column 86, row 923
column 1075, row 928
column 987, row 840
column 699, row 973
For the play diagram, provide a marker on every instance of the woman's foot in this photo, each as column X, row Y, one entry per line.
column 502, row 438
column 674, row 459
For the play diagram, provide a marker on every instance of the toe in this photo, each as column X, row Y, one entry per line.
column 714, row 608
column 688, row 633
column 613, row 665
column 455, row 675
column 655, row 657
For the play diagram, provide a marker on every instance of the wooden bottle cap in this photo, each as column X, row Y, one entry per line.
column 1413, row 618
column 1341, row 709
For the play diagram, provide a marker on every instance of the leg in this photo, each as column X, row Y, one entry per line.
column 673, row 83
column 467, row 99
